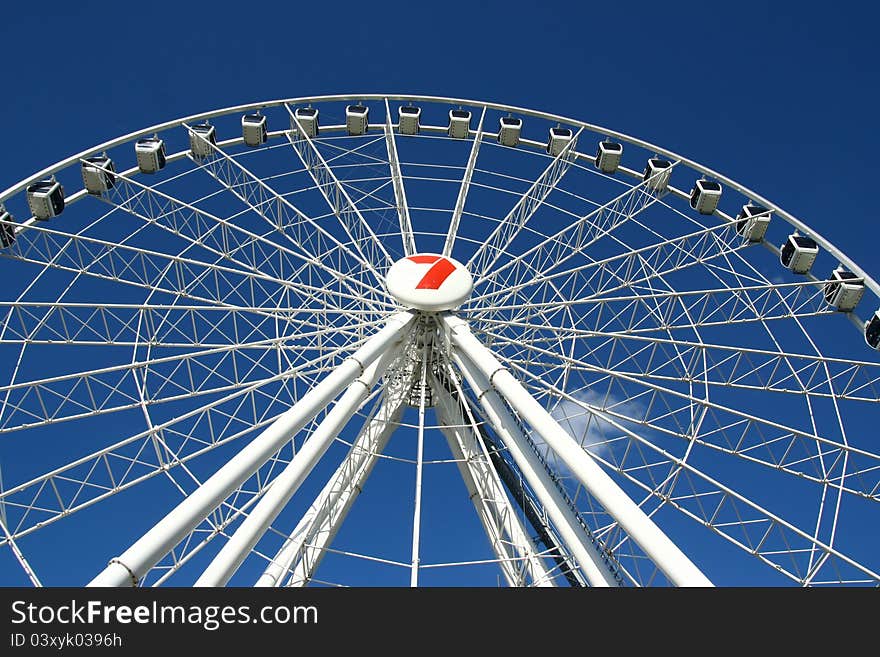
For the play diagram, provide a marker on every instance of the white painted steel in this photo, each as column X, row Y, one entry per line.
column 131, row 565
column 465, row 186
column 406, row 231
column 538, row 335
column 605, row 132
column 317, row 529
column 420, row 452
column 517, row 555
column 230, row 557
column 579, row 545
column 305, row 547
column 666, row 555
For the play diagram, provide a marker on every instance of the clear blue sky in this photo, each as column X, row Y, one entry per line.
column 780, row 96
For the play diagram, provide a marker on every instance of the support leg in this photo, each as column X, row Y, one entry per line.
column 677, row 567
column 133, row 564
column 289, row 480
column 304, row 549
column 577, row 541
column 517, row 555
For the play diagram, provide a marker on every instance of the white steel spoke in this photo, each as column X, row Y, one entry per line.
column 587, row 552
column 91, row 393
column 725, row 365
column 689, row 309
column 831, row 466
column 140, row 268
column 307, row 544
column 463, row 190
column 314, row 244
column 668, row 557
column 288, row 481
column 190, row 546
column 637, row 266
column 242, row 248
column 88, row 394
column 406, row 230
column 353, row 222
column 165, row 325
column 19, row 555
column 132, row 564
column 196, row 334
column 105, row 472
column 131, row 461
column 580, row 234
column 722, row 495
column 746, row 435
column 252, row 252
column 505, row 233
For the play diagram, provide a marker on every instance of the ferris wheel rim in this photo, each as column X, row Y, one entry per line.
column 795, row 222
column 182, row 122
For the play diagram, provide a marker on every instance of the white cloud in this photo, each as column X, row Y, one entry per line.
column 595, row 434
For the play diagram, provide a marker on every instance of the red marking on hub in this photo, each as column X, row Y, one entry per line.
column 424, row 259
column 435, row 276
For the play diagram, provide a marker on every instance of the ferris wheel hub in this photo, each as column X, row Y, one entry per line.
column 429, row 281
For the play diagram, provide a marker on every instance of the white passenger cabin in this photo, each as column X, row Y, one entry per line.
column 558, row 140
column 752, row 222
column 705, row 196
column 872, row 330
column 7, row 228
column 657, row 172
column 97, row 174
column 308, row 119
column 609, row 155
column 202, row 138
column 843, row 290
column 150, row 153
column 459, row 123
column 799, row 253
column 254, row 129
column 45, row 199
column 509, row 131
column 357, row 119
column 408, row 119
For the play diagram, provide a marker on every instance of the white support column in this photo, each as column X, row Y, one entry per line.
column 318, row 527
column 236, row 549
column 133, row 564
column 577, row 542
column 680, row 570
column 518, row 558
column 420, row 453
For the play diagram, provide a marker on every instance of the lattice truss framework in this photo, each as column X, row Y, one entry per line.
column 151, row 331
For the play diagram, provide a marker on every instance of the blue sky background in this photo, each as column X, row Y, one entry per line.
column 780, row 97
column 776, row 95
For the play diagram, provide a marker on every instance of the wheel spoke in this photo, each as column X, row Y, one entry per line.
column 352, row 221
column 736, row 433
column 306, row 237
column 631, row 394
column 452, row 233
column 580, row 234
column 502, row 237
column 406, row 231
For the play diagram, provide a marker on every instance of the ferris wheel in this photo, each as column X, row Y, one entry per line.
column 407, row 340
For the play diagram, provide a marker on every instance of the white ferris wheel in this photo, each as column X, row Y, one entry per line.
column 378, row 339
